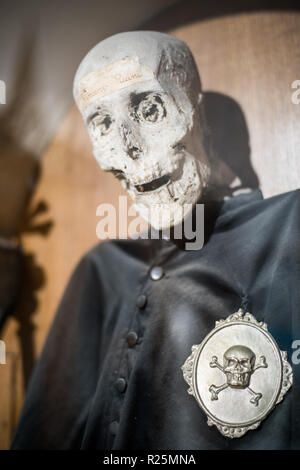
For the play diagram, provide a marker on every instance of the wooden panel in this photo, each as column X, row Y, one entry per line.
column 253, row 59
column 8, row 398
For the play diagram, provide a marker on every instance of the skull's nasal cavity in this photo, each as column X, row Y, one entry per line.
column 130, row 141
column 133, row 152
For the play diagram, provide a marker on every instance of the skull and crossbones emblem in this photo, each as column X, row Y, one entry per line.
column 238, row 366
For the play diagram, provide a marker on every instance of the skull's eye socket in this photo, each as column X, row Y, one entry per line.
column 245, row 362
column 100, row 125
column 231, row 362
column 150, row 109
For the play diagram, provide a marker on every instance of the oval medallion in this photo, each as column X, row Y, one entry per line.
column 237, row 374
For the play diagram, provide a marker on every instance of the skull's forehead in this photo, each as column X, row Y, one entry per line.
column 117, row 47
column 157, row 53
column 239, row 352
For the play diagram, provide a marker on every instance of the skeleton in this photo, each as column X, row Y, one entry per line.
column 140, row 97
column 238, row 366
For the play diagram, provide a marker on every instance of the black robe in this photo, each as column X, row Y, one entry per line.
column 110, row 376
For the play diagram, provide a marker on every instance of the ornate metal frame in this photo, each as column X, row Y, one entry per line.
column 189, row 370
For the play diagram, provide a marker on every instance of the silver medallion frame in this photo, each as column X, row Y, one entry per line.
column 285, row 380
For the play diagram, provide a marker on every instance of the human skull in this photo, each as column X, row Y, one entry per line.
column 139, row 94
column 238, row 363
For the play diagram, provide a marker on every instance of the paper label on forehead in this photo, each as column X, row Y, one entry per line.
column 114, row 77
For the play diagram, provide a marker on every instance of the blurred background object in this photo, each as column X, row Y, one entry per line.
column 50, row 186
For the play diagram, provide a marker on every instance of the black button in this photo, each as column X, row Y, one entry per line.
column 141, row 301
column 156, row 273
column 132, row 338
column 113, row 427
column 121, row 384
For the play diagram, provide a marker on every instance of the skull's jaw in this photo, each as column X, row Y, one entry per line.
column 170, row 204
column 238, row 379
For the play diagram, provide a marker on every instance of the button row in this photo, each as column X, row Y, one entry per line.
column 121, row 383
column 156, row 274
